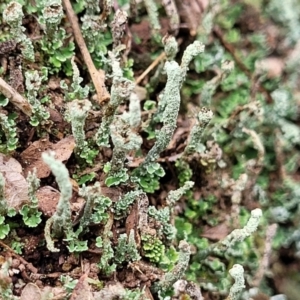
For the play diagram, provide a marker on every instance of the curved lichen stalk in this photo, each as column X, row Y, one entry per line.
column 61, row 220
column 237, row 235
column 237, row 272
column 171, row 97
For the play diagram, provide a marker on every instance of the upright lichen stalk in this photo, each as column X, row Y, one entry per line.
column 33, row 84
column 237, row 235
column 178, row 271
column 124, row 140
column 52, row 16
column 203, row 118
column 13, row 16
column 61, row 220
column 171, row 97
column 121, row 90
column 237, row 272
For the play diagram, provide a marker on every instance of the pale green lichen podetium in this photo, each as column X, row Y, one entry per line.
column 171, row 47
column 126, row 250
column 174, row 196
column 30, row 212
column 178, row 271
column 171, row 97
column 125, row 140
column 13, row 16
column 153, row 15
column 203, row 118
column 237, row 272
column 122, row 205
column 237, row 235
column 61, row 220
column 120, row 91
column 52, row 15
column 78, row 110
column 95, row 208
column 164, row 215
column 134, row 116
column 211, row 86
column 33, row 84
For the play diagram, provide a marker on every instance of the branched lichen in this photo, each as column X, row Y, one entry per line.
column 122, row 205
column 171, row 47
column 76, row 91
column 189, row 54
column 174, row 196
column 163, row 215
column 171, row 99
column 237, row 235
column 78, row 112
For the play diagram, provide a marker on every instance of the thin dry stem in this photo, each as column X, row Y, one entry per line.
column 15, row 98
column 97, row 76
column 28, row 265
column 151, row 67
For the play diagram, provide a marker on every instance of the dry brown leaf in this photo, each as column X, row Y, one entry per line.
column 48, row 198
column 216, row 233
column 82, row 289
column 31, row 292
column 32, row 156
column 16, row 187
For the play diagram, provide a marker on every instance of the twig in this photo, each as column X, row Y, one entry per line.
column 28, row 265
column 15, row 98
column 151, row 67
column 97, row 76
